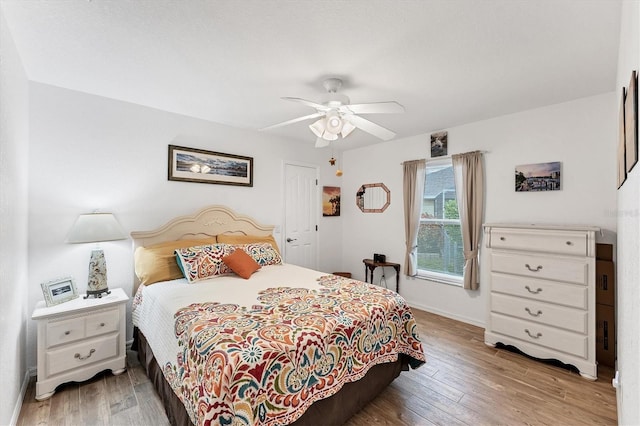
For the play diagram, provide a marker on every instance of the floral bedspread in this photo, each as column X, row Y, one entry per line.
column 268, row 363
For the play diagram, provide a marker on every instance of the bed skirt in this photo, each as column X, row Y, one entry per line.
column 335, row 410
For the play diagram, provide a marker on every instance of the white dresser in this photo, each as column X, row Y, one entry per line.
column 78, row 339
column 542, row 298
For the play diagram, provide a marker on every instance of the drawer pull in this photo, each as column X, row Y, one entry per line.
column 537, row 336
column 531, row 269
column 569, row 243
column 102, row 324
column 66, row 333
column 82, row 358
column 531, row 291
column 502, row 238
column 537, row 314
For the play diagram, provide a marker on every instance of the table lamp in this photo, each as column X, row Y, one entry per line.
column 96, row 228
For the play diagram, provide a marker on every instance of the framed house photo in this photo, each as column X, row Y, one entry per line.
column 198, row 165
column 59, row 291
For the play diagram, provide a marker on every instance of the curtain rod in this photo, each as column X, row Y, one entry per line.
column 444, row 157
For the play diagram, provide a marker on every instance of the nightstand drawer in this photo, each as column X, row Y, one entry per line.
column 74, row 356
column 59, row 332
column 101, row 323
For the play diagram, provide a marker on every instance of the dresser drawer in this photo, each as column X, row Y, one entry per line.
column 564, row 242
column 540, row 312
column 545, row 291
column 84, row 353
column 545, row 267
column 539, row 334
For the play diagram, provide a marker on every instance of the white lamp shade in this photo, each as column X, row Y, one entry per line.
column 318, row 127
column 347, row 128
column 333, row 123
column 95, row 227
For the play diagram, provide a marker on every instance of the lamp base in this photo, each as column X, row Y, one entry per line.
column 96, row 293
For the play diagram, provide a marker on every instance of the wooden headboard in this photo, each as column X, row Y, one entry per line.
column 208, row 222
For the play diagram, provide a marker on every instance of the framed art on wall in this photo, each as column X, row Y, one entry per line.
column 439, row 142
column 330, row 201
column 199, row 165
column 59, row 291
column 631, row 123
column 622, row 165
column 538, row 177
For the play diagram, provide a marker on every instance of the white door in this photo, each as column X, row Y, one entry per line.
column 301, row 215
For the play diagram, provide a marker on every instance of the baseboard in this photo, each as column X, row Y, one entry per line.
column 456, row 317
column 23, row 392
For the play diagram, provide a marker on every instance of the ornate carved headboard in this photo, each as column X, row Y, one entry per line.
column 208, row 222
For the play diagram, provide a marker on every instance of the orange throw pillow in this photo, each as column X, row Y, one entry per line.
column 241, row 263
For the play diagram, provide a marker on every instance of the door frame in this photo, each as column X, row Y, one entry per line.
column 317, row 194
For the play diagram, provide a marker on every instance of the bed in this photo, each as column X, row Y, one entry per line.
column 280, row 344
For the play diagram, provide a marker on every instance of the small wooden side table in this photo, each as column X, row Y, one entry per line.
column 370, row 266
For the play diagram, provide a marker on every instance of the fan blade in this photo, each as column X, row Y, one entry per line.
column 295, row 120
column 321, row 143
column 370, row 127
column 315, row 105
column 375, row 108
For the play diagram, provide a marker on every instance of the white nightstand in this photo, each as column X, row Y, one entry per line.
column 78, row 339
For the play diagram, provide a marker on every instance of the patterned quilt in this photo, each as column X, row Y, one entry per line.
column 268, row 363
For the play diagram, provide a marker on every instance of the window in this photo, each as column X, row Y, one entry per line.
column 440, row 249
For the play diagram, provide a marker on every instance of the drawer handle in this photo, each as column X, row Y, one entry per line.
column 569, row 243
column 531, row 291
column 502, row 238
column 82, row 358
column 102, row 324
column 531, row 269
column 537, row 336
column 532, row 314
column 66, row 333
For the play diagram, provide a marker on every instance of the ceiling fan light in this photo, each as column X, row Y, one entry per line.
column 347, row 128
column 329, row 136
column 334, row 123
column 318, row 127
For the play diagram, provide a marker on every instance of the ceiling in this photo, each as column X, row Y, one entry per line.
column 449, row 62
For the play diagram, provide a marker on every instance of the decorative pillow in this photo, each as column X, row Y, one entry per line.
column 241, row 263
column 263, row 253
column 201, row 262
column 248, row 239
column 157, row 262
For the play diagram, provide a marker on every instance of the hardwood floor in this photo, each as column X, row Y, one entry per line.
column 464, row 382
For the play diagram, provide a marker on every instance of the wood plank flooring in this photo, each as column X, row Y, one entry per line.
column 464, row 382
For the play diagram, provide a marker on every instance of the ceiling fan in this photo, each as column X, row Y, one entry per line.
column 338, row 118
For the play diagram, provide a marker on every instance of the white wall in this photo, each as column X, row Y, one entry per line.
column 580, row 134
column 14, row 150
column 628, row 265
column 91, row 152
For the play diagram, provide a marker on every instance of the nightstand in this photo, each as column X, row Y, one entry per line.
column 78, row 339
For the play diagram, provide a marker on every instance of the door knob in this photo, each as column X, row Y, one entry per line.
column 289, row 240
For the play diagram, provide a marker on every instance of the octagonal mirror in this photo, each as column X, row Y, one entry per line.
column 373, row 197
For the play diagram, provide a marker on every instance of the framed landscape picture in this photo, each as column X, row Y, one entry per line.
column 330, row 201
column 198, row 165
column 439, row 143
column 538, row 177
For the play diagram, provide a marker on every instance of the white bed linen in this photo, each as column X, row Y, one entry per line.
column 154, row 310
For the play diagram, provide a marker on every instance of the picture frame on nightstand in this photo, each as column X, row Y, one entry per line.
column 59, row 290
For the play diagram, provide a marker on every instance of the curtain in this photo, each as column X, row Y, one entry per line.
column 413, row 188
column 469, row 178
